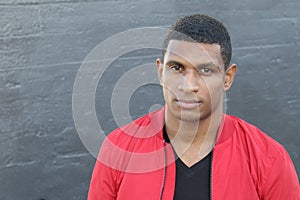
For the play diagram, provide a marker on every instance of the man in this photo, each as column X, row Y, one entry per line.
column 190, row 149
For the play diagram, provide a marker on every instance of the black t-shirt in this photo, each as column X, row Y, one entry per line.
column 192, row 183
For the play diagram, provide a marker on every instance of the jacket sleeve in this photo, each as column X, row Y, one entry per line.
column 102, row 185
column 281, row 181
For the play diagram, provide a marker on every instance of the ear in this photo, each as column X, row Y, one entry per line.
column 229, row 76
column 159, row 68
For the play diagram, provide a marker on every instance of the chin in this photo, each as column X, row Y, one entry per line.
column 190, row 118
column 191, row 115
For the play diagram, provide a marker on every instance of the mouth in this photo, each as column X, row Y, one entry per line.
column 188, row 104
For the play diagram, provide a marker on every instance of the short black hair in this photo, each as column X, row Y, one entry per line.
column 202, row 29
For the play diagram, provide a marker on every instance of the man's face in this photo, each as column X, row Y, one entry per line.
column 192, row 76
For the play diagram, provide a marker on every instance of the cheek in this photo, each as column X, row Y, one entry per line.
column 170, row 82
column 214, row 88
column 168, row 91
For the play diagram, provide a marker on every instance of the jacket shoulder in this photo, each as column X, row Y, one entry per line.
column 144, row 127
column 136, row 136
column 270, row 164
column 254, row 138
column 125, row 148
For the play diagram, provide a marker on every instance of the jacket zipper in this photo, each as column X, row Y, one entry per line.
column 211, row 174
column 164, row 172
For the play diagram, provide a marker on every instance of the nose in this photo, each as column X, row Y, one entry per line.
column 190, row 82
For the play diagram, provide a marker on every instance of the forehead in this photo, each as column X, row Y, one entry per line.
column 194, row 53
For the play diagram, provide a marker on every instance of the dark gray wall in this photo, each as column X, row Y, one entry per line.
column 43, row 43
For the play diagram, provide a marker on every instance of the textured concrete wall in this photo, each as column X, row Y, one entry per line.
column 43, row 43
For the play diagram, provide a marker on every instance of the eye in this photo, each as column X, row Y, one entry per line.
column 176, row 67
column 206, row 70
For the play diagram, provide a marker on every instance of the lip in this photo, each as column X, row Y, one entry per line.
column 188, row 104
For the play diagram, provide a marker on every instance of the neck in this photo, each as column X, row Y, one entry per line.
column 197, row 136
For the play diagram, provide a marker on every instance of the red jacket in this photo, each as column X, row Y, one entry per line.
column 135, row 163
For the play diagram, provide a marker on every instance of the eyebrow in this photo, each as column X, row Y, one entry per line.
column 173, row 62
column 200, row 66
column 209, row 64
